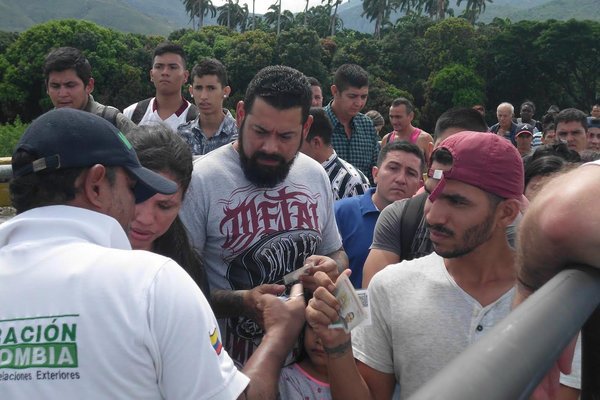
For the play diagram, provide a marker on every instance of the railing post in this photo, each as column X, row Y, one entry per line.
column 590, row 358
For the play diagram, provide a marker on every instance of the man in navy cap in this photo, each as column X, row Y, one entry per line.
column 84, row 316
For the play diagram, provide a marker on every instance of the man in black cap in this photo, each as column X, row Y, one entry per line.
column 84, row 316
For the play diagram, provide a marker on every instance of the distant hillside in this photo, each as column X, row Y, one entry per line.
column 515, row 10
column 164, row 16
column 139, row 16
column 554, row 9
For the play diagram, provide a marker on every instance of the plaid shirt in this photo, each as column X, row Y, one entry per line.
column 362, row 149
column 192, row 133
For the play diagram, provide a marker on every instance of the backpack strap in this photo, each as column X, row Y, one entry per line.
column 110, row 114
column 192, row 113
column 409, row 222
column 140, row 110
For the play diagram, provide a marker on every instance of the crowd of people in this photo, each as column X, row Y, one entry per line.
column 152, row 249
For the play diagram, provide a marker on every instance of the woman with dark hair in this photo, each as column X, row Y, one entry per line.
column 156, row 226
column 540, row 168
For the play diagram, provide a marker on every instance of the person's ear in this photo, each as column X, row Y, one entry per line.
column 374, row 172
column 334, row 90
column 306, row 127
column 507, row 211
column 89, row 88
column 239, row 113
column 92, row 184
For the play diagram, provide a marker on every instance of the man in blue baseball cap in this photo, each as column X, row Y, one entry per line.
column 83, row 315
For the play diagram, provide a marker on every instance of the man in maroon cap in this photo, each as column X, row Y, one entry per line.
column 426, row 311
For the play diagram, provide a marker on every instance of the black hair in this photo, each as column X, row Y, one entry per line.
column 312, row 81
column 168, row 47
column 211, row 66
column 281, row 87
column 528, row 103
column 350, row 75
column 321, row 126
column 548, row 127
column 376, row 117
column 543, row 166
column 160, row 150
column 466, row 119
column 559, row 149
column 571, row 115
column 46, row 187
column 403, row 101
column 65, row 58
column 442, row 156
column 404, row 146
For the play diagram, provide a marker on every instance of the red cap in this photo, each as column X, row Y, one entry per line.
column 484, row 160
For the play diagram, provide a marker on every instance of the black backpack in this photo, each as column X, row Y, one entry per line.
column 409, row 222
column 141, row 107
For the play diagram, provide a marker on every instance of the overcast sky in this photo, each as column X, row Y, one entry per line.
column 262, row 6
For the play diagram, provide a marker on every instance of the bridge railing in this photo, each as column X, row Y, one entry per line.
column 510, row 361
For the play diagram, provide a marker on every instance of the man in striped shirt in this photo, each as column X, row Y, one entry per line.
column 346, row 181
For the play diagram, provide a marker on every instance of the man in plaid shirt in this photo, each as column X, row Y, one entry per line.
column 354, row 137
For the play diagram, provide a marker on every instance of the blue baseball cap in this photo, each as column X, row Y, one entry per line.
column 68, row 138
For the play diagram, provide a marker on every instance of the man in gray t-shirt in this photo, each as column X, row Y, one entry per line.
column 257, row 210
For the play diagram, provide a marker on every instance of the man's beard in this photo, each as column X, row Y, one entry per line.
column 473, row 237
column 263, row 176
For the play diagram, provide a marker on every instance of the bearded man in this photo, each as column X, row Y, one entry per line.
column 258, row 209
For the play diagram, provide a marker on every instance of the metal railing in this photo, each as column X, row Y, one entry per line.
column 5, row 177
column 515, row 355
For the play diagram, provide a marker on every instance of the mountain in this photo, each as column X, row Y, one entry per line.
column 515, row 10
column 555, row 9
column 160, row 17
column 139, row 16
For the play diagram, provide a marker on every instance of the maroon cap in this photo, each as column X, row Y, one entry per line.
column 484, row 160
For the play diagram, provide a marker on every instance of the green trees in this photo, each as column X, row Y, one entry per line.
column 115, row 58
column 300, row 48
column 439, row 64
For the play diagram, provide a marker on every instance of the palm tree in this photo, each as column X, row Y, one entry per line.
column 305, row 11
column 232, row 15
column 336, row 3
column 273, row 17
column 474, row 8
column 199, row 9
column 379, row 10
column 436, row 8
column 332, row 4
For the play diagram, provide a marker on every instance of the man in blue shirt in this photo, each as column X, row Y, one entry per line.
column 354, row 137
column 398, row 176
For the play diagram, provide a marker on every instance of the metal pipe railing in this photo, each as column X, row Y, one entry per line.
column 515, row 355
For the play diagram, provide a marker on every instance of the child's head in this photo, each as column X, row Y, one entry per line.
column 312, row 348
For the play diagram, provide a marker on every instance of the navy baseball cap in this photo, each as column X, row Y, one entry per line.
column 524, row 128
column 68, row 138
